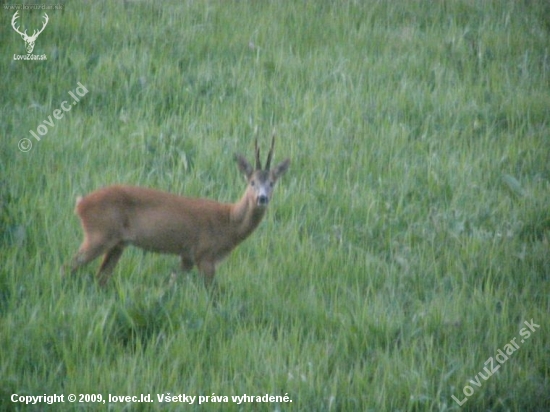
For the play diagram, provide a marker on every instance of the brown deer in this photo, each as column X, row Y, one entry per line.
column 201, row 231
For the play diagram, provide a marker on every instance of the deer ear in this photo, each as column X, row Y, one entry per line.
column 280, row 169
column 244, row 166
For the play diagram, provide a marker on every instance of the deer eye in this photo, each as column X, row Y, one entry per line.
column 252, row 183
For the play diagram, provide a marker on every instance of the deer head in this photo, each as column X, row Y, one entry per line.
column 29, row 40
column 261, row 181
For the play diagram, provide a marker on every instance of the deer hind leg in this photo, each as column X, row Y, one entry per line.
column 109, row 262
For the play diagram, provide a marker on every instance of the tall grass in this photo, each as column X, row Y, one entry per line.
column 407, row 244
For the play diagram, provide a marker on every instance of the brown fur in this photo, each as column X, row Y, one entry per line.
column 201, row 231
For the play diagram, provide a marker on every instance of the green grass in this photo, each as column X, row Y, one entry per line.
column 408, row 242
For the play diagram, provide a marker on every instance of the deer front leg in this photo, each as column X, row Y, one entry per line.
column 187, row 263
column 109, row 262
column 88, row 251
column 207, row 269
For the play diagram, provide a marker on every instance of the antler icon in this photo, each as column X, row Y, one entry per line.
column 29, row 40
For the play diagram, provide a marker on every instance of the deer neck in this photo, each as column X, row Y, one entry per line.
column 245, row 216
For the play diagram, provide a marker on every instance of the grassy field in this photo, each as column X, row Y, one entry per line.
column 406, row 246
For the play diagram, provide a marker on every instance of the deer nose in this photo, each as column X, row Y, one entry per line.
column 262, row 199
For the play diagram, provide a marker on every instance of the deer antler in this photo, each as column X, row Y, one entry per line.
column 25, row 36
column 257, row 151
column 270, row 154
column 15, row 17
column 43, row 27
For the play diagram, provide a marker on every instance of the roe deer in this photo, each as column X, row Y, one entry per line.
column 201, row 231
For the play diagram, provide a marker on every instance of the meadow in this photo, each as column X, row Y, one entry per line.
column 407, row 244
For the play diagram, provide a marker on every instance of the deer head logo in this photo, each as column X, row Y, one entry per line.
column 29, row 40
